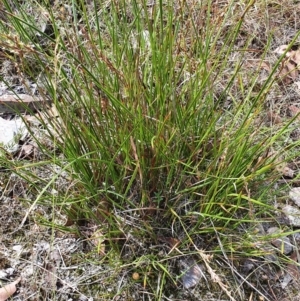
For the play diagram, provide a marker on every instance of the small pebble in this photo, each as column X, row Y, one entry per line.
column 294, row 195
column 192, row 276
column 135, row 276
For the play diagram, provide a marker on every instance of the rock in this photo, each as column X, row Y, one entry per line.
column 192, row 276
column 294, row 195
column 283, row 244
column 3, row 275
column 296, row 237
column 191, row 272
column 293, row 215
column 11, row 132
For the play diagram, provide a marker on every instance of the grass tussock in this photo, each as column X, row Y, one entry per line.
column 158, row 125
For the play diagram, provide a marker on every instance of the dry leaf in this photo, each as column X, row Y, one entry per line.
column 258, row 64
column 285, row 171
column 289, row 70
column 98, row 240
column 171, row 241
column 294, row 111
column 27, row 151
column 281, row 50
column 297, row 84
column 73, row 216
column 295, row 57
column 273, row 118
column 292, row 268
column 265, row 65
column 8, row 290
column 292, row 271
column 50, row 276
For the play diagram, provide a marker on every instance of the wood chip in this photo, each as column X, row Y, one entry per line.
column 8, row 290
column 20, row 103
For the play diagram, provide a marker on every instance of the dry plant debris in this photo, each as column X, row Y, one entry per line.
column 21, row 103
column 289, row 69
column 8, row 290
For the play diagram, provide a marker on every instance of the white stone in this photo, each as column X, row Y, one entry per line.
column 293, row 215
column 11, row 132
column 294, row 195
